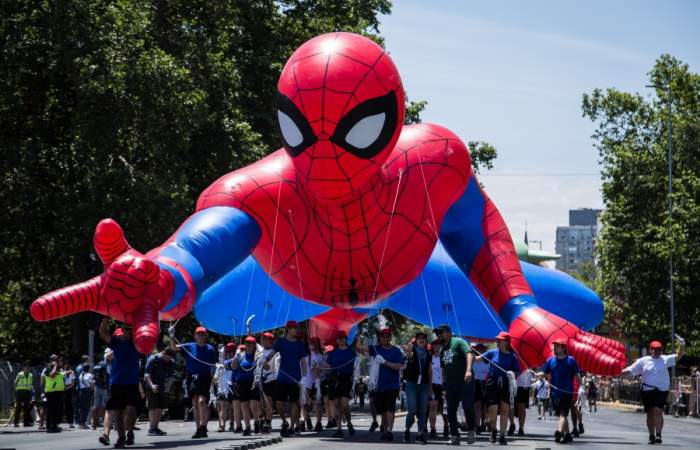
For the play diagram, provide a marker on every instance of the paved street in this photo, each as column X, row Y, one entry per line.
column 607, row 429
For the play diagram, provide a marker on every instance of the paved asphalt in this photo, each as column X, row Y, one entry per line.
column 606, row 429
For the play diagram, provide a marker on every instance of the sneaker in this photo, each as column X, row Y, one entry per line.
column 494, row 433
column 580, row 428
column 319, row 427
column 471, row 437
column 384, row 437
column 152, row 432
column 257, row 427
column 351, row 429
column 247, row 432
column 204, row 431
column 652, row 439
column 331, row 424
column 421, row 438
column 454, row 440
column 17, row 425
column 557, row 436
column 407, row 436
column 575, row 431
column 71, row 426
column 511, row 429
column 161, row 432
column 230, row 427
column 129, row 438
column 372, row 427
column 658, row 438
column 104, row 439
column 82, row 426
column 221, row 429
column 135, row 428
column 284, row 432
column 502, row 440
column 197, row 434
column 238, row 429
column 338, row 434
column 121, row 443
column 446, row 431
column 309, row 425
column 521, row 433
column 433, row 433
column 567, row 438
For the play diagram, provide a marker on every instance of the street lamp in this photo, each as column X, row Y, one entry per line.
column 667, row 87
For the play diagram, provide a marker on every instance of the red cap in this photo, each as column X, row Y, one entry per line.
column 385, row 331
column 230, row 347
column 655, row 344
column 328, row 348
column 200, row 329
column 269, row 335
column 118, row 332
column 292, row 324
column 241, row 347
column 560, row 341
column 339, row 334
column 503, row 336
column 250, row 339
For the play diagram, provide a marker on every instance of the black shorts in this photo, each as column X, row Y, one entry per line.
column 224, row 397
column 496, row 390
column 478, row 390
column 156, row 400
column 522, row 395
column 340, row 386
column 119, row 396
column 246, row 391
column 437, row 396
column 654, row 398
column 286, row 392
column 269, row 388
column 385, row 401
column 326, row 387
column 198, row 384
column 562, row 404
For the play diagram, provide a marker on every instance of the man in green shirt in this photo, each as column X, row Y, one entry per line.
column 457, row 378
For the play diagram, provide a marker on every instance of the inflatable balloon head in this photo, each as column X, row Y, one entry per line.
column 340, row 110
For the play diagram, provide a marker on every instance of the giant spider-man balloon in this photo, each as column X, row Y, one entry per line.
column 345, row 215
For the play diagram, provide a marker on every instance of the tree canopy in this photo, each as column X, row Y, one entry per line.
column 638, row 236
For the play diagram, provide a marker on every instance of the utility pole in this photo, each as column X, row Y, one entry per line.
column 669, row 100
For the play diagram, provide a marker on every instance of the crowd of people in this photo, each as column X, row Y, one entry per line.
column 472, row 389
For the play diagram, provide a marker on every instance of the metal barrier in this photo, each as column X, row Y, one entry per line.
column 8, row 373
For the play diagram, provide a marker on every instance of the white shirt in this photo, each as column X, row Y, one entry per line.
column 68, row 378
column 524, row 380
column 223, row 380
column 481, row 370
column 313, row 361
column 654, row 371
column 437, row 370
column 271, row 373
column 85, row 380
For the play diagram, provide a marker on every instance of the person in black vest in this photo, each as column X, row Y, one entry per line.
column 418, row 380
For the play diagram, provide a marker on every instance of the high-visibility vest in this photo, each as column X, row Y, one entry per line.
column 24, row 382
column 55, row 383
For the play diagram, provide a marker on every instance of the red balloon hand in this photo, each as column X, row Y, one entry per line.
column 132, row 289
column 534, row 331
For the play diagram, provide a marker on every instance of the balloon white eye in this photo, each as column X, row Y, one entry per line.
column 366, row 131
column 290, row 132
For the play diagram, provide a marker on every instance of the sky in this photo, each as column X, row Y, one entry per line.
column 513, row 73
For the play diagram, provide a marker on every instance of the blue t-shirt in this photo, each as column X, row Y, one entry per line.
column 246, row 367
column 563, row 372
column 205, row 353
column 508, row 361
column 125, row 364
column 388, row 378
column 342, row 360
column 290, row 355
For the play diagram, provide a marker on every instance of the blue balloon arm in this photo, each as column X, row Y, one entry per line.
column 207, row 246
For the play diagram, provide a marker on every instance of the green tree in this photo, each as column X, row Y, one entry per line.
column 638, row 236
